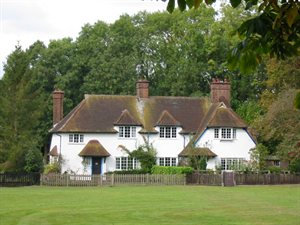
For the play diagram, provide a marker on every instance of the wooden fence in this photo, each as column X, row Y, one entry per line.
column 111, row 179
column 199, row 178
column 259, row 178
column 19, row 179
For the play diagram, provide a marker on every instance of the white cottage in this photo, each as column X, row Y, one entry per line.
column 90, row 137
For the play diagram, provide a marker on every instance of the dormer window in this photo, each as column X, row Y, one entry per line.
column 127, row 132
column 225, row 133
column 167, row 132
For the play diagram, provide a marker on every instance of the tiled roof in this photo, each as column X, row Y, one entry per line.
column 94, row 148
column 126, row 119
column 99, row 113
column 167, row 119
column 188, row 151
column 226, row 117
column 54, row 151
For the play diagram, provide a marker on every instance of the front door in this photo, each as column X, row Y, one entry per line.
column 96, row 165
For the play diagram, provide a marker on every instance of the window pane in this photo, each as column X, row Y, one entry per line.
column 223, row 133
column 70, row 137
column 123, row 163
column 162, row 132
column 127, row 132
column 76, row 138
column 121, row 130
column 173, row 161
column 228, row 133
column 81, row 137
column 168, row 132
column 173, row 132
column 234, row 133
column 133, row 131
column 130, row 163
column 118, row 163
column 161, row 161
column 216, row 133
column 223, row 164
column 167, row 162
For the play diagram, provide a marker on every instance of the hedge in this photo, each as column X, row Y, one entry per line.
column 171, row 170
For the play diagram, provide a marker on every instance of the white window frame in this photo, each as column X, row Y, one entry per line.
column 127, row 132
column 126, row 163
column 225, row 133
column 76, row 138
column 231, row 163
column 168, row 132
column 167, row 161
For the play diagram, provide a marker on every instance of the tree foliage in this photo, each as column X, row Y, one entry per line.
column 274, row 30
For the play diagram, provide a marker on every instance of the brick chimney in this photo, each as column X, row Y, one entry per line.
column 220, row 91
column 58, row 105
column 142, row 89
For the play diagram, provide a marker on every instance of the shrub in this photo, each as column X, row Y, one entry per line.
column 171, row 170
column 274, row 169
column 295, row 165
column 52, row 168
column 33, row 161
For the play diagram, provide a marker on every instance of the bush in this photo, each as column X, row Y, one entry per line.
column 33, row 161
column 274, row 169
column 295, row 165
column 171, row 170
column 52, row 168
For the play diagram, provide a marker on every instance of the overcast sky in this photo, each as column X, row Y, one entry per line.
column 26, row 21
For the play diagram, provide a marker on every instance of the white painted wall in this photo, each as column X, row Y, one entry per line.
column 235, row 148
column 170, row 147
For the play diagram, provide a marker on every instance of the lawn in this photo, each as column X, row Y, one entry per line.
column 151, row 205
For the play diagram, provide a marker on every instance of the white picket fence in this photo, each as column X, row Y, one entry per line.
column 112, row 179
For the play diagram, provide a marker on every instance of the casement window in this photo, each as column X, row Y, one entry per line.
column 76, row 138
column 167, row 161
column 127, row 132
column 216, row 133
column 126, row 163
column 276, row 163
column 232, row 163
column 167, row 132
column 225, row 133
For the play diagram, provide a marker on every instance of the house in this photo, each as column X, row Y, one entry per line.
column 90, row 138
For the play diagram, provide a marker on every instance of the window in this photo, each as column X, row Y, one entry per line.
column 126, row 163
column 231, row 163
column 167, row 132
column 167, row 161
column 127, row 132
column 76, row 138
column 276, row 163
column 216, row 131
column 226, row 133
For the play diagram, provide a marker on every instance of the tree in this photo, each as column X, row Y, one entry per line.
column 274, row 30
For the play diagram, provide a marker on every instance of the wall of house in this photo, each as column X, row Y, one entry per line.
column 72, row 162
column 235, row 148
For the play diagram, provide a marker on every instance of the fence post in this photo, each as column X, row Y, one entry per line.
column 112, row 179
column 184, row 179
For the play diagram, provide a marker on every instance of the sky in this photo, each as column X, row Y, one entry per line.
column 25, row 21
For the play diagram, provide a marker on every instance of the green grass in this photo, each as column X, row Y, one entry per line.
column 151, row 205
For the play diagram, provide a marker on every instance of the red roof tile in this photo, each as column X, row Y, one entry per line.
column 126, row 119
